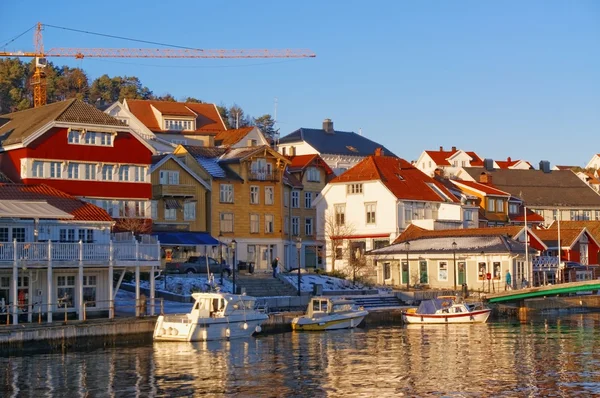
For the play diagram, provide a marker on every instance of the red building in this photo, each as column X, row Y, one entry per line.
column 78, row 149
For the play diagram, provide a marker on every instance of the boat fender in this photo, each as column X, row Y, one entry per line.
column 170, row 330
column 227, row 333
column 163, row 331
column 258, row 329
column 204, row 335
column 245, row 326
column 175, row 332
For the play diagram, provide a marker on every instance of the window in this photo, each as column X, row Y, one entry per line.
column 513, row 208
column 90, row 138
column 387, row 271
column 170, row 212
column 89, row 290
column 67, row 235
column 37, row 170
column 463, row 163
column 269, row 223
column 497, row 271
column 124, row 173
column 55, row 170
column 379, row 243
column 442, row 271
column 423, row 277
column 73, row 171
column 254, row 194
column 481, row 271
column 226, row 194
column 295, row 226
column 269, row 195
column 168, row 177
column 139, row 173
column 295, row 199
column 4, row 234
column 491, row 205
column 107, row 172
column 370, row 209
column 308, row 226
column 307, row 200
column 286, row 225
column 340, row 214
column 468, row 215
column 286, row 198
column 106, row 139
column 18, row 234
column 499, row 205
column 65, row 290
column 354, row 188
column 178, row 124
column 74, row 136
column 254, row 223
column 313, row 174
column 154, row 209
column 90, row 171
column 85, row 235
column 189, row 211
column 339, row 252
column 226, row 222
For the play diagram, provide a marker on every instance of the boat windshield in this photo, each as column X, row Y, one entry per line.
column 244, row 304
column 431, row 306
column 342, row 307
column 320, row 305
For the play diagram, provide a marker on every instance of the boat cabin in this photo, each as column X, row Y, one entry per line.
column 216, row 305
column 322, row 306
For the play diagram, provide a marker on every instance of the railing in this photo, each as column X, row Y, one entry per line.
column 174, row 190
column 545, row 262
column 263, row 176
column 85, row 252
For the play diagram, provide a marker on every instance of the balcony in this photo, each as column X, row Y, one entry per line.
column 185, row 191
column 263, row 176
column 70, row 254
column 545, row 263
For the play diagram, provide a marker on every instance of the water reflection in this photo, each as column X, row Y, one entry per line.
column 554, row 356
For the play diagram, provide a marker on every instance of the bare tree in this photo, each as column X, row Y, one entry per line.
column 358, row 265
column 138, row 226
column 337, row 230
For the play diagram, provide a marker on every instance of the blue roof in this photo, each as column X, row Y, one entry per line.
column 185, row 238
column 211, row 165
column 336, row 143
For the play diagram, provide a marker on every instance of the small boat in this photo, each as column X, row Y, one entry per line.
column 330, row 313
column 446, row 310
column 214, row 316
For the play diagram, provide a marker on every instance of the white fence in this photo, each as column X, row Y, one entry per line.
column 545, row 262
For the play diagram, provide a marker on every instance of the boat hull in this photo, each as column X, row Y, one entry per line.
column 479, row 316
column 329, row 322
column 207, row 329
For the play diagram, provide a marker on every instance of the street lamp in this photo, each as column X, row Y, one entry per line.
column 299, row 246
column 221, row 256
column 407, row 247
column 232, row 244
column 454, row 255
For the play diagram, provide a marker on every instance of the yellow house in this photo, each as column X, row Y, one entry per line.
column 305, row 178
column 246, row 197
column 493, row 203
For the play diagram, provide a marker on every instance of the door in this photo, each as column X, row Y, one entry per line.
column 461, row 273
column 405, row 279
column 263, row 262
column 423, row 272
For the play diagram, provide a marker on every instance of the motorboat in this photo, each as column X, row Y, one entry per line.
column 214, row 316
column 330, row 313
column 446, row 310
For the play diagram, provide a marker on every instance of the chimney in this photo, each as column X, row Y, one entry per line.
column 545, row 166
column 485, row 178
column 508, row 159
column 488, row 164
column 437, row 172
column 328, row 126
column 379, row 152
column 453, row 149
column 441, row 148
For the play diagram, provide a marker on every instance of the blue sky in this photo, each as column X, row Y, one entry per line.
column 510, row 78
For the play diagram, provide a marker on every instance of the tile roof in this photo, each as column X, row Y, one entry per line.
column 441, row 157
column 291, row 180
column 565, row 167
column 557, row 188
column 532, row 216
column 413, row 232
column 485, row 188
column 208, row 119
column 81, row 211
column 336, row 143
column 299, row 162
column 508, row 163
column 203, row 151
column 403, row 179
column 232, row 137
column 209, row 159
column 16, row 127
column 550, row 236
column 592, row 226
column 464, row 244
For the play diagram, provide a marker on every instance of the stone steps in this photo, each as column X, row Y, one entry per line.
column 264, row 285
column 377, row 301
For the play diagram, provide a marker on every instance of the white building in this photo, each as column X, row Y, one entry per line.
column 449, row 162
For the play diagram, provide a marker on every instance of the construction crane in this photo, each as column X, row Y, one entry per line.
column 38, row 80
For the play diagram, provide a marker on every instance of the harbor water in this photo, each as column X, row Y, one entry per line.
column 558, row 355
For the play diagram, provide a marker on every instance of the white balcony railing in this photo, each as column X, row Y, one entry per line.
column 545, row 262
column 36, row 252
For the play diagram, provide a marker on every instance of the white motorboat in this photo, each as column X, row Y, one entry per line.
column 446, row 310
column 330, row 313
column 214, row 316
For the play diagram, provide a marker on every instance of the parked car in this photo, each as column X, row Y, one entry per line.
column 197, row 265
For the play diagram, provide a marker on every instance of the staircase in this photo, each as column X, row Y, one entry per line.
column 376, row 301
column 264, row 285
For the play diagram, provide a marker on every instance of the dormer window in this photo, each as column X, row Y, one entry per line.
column 354, row 188
column 313, row 174
column 178, row 124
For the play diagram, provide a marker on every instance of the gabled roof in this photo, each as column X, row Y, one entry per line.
column 483, row 188
column 165, row 158
column 16, row 127
column 80, row 210
column 441, row 157
column 291, row 180
column 300, row 162
column 557, row 188
column 532, row 216
column 208, row 119
column 508, row 163
column 565, row 167
column 592, row 226
column 232, row 137
column 568, row 236
column 402, row 179
column 335, row 143
column 464, row 244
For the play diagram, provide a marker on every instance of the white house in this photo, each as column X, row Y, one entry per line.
column 341, row 150
column 367, row 207
column 594, row 162
column 449, row 162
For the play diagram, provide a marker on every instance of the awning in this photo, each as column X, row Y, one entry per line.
column 172, row 204
column 30, row 209
column 185, row 238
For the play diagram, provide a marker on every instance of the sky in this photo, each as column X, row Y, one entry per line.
column 506, row 78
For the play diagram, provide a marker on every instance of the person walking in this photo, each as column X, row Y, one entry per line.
column 508, row 285
column 275, row 265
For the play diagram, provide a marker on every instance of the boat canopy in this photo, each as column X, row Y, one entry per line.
column 433, row 305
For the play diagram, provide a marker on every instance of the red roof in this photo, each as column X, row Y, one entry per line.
column 413, row 232
column 486, row 189
column 403, row 179
column 532, row 216
column 81, row 211
column 231, row 137
column 508, row 163
column 300, row 162
column 208, row 119
column 441, row 157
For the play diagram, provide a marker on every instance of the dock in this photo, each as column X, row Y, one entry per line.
column 541, row 291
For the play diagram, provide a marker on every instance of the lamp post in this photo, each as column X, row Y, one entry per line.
column 298, row 247
column 221, row 256
column 233, row 243
column 407, row 247
column 454, row 255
